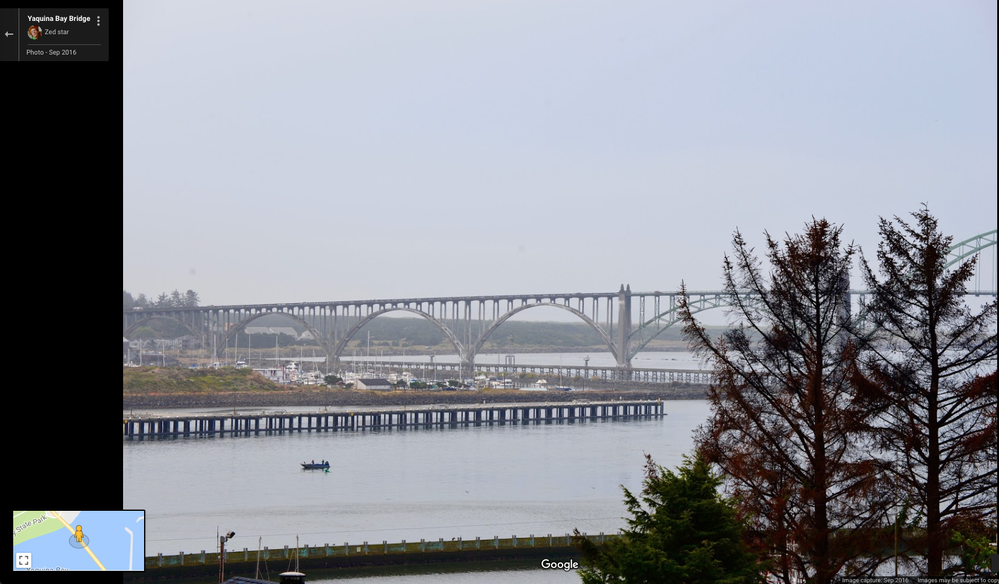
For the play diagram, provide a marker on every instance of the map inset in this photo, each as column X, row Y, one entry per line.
column 79, row 540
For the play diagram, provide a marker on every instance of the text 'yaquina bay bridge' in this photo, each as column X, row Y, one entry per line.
column 626, row 321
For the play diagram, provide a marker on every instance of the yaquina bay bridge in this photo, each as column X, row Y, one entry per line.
column 626, row 321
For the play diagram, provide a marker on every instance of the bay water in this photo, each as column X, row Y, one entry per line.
column 393, row 485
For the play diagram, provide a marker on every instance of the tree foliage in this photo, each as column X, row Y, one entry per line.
column 787, row 422
column 933, row 363
column 174, row 299
column 681, row 531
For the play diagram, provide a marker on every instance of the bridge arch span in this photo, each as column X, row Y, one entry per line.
column 477, row 345
column 127, row 332
column 956, row 254
column 232, row 332
column 969, row 247
column 668, row 318
column 342, row 344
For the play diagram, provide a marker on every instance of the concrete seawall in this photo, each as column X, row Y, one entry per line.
column 351, row 555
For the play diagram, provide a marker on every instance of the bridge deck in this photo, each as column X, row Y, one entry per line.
column 568, row 372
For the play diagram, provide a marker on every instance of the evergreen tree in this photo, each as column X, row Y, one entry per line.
column 684, row 533
column 174, row 300
column 788, row 426
column 933, row 361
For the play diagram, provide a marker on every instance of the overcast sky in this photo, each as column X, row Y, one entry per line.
column 309, row 151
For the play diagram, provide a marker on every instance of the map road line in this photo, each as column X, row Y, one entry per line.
column 131, row 541
column 85, row 546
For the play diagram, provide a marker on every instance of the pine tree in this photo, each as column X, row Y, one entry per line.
column 933, row 361
column 680, row 532
column 787, row 425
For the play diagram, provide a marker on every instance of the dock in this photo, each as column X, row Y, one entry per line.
column 436, row 416
column 579, row 374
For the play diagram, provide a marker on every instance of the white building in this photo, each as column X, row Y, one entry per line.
column 380, row 384
column 275, row 374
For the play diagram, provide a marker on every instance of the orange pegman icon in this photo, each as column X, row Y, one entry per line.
column 79, row 533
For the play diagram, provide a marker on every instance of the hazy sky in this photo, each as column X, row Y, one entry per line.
column 308, row 151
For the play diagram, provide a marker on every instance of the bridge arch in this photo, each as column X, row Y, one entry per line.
column 956, row 254
column 670, row 317
column 969, row 247
column 477, row 345
column 342, row 344
column 127, row 332
column 231, row 334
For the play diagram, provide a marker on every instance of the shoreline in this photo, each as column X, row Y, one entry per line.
column 341, row 397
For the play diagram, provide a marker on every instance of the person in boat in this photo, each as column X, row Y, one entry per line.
column 313, row 461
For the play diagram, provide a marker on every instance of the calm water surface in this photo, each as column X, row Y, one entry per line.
column 398, row 485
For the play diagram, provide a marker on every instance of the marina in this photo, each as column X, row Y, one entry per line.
column 577, row 372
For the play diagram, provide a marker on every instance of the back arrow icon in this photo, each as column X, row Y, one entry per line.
column 7, row 33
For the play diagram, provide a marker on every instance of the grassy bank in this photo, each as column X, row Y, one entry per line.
column 169, row 380
column 157, row 387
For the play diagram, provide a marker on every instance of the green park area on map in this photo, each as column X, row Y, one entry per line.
column 31, row 524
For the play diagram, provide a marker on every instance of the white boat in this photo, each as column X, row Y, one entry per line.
column 291, row 371
column 311, row 378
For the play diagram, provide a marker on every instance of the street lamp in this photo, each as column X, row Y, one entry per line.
column 222, row 540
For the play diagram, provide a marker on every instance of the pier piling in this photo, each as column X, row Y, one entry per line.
column 437, row 416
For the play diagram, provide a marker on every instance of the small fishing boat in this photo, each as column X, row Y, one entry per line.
column 324, row 464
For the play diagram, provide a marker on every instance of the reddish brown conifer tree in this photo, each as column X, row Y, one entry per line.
column 933, row 361
column 787, row 423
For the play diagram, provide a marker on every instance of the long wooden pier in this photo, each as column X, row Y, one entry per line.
column 403, row 417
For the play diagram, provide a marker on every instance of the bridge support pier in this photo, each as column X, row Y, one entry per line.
column 467, row 368
column 624, row 333
column 623, row 373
